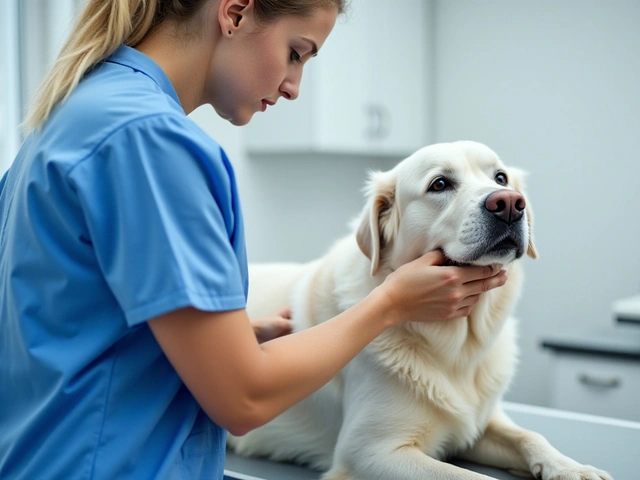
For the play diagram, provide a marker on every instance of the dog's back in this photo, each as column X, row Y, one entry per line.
column 270, row 286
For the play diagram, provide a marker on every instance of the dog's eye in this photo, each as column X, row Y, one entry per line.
column 501, row 178
column 439, row 184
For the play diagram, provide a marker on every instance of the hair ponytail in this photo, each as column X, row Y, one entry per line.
column 102, row 27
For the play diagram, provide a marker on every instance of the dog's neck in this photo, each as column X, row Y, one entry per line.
column 463, row 340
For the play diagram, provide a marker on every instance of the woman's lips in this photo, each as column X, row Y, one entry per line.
column 266, row 103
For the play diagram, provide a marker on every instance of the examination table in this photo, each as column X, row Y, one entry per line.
column 609, row 444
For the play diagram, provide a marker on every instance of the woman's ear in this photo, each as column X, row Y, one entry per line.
column 231, row 14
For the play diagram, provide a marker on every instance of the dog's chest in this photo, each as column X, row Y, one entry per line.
column 445, row 407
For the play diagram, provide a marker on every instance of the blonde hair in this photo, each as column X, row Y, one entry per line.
column 105, row 25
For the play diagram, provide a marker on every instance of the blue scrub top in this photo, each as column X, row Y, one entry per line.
column 117, row 210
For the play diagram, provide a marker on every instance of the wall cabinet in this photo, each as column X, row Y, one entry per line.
column 367, row 92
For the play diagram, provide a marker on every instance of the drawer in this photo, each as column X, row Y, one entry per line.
column 597, row 385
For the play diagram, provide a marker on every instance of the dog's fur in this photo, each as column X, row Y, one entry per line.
column 421, row 392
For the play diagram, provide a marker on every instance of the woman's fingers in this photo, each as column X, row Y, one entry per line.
column 284, row 312
column 475, row 288
column 274, row 325
column 470, row 301
column 497, row 280
column 485, row 284
column 462, row 312
column 473, row 274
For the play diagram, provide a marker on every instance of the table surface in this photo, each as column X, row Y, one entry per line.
column 610, row 444
column 241, row 468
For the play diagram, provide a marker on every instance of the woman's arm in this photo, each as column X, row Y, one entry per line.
column 242, row 384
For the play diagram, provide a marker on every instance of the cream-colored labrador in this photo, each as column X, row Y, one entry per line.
column 420, row 392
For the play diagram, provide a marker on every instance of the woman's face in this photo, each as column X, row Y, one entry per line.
column 255, row 65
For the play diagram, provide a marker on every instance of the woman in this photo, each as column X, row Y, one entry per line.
column 125, row 348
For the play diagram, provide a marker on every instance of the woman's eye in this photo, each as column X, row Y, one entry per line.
column 295, row 56
column 439, row 184
column 501, row 178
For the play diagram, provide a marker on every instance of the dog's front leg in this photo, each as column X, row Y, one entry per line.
column 507, row 445
column 403, row 463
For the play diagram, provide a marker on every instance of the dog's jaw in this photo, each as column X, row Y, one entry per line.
column 497, row 266
column 487, row 243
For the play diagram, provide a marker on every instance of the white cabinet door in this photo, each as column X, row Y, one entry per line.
column 596, row 385
column 399, row 49
column 342, row 85
column 367, row 92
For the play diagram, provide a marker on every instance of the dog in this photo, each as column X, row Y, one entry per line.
column 420, row 393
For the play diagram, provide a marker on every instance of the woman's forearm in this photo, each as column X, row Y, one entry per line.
column 293, row 367
column 241, row 384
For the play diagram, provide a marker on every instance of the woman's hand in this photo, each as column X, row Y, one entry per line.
column 424, row 290
column 272, row 326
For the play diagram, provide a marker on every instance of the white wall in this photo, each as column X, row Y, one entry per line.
column 554, row 87
column 31, row 34
column 9, row 84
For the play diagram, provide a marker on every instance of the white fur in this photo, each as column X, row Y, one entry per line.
column 421, row 392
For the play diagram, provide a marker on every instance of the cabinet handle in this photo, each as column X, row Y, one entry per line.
column 601, row 382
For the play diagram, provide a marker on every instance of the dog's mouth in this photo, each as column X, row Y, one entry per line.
column 449, row 262
column 505, row 249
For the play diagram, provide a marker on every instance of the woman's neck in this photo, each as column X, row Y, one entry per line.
column 185, row 61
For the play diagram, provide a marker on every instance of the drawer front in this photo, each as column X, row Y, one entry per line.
column 596, row 385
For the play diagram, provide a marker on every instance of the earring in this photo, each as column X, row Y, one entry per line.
column 229, row 32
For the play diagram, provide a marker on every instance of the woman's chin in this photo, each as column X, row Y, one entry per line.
column 237, row 118
column 240, row 120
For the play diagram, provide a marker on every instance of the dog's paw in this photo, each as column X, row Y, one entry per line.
column 568, row 470
column 336, row 474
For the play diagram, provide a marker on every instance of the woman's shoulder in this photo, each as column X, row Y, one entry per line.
column 107, row 99
column 111, row 107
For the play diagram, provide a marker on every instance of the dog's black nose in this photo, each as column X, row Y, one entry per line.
column 507, row 205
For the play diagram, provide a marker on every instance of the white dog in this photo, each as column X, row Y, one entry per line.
column 421, row 392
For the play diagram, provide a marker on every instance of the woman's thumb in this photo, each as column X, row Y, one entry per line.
column 434, row 257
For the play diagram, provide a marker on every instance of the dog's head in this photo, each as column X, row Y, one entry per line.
column 458, row 197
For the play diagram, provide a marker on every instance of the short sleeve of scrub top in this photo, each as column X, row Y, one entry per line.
column 117, row 210
column 157, row 223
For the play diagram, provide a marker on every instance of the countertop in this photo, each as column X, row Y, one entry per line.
column 627, row 310
column 619, row 341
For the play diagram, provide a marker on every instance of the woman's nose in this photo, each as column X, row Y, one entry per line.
column 290, row 87
column 289, row 90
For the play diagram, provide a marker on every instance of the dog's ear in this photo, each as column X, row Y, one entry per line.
column 516, row 177
column 381, row 191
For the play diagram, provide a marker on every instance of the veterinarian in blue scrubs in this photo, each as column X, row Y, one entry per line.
column 125, row 348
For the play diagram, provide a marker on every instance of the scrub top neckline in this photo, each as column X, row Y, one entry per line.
column 130, row 57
